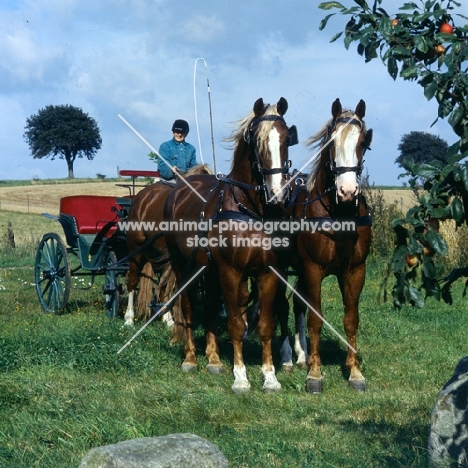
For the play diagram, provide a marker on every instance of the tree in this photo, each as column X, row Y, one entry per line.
column 62, row 131
column 421, row 148
column 421, row 42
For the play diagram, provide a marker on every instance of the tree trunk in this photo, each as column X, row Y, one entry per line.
column 70, row 169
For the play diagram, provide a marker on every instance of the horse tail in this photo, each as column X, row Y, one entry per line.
column 166, row 288
column 145, row 292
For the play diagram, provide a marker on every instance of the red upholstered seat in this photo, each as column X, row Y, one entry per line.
column 91, row 212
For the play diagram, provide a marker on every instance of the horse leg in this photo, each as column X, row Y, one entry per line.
column 267, row 285
column 133, row 278
column 282, row 312
column 187, row 299
column 212, row 306
column 351, row 288
column 232, row 287
column 313, row 277
column 300, row 341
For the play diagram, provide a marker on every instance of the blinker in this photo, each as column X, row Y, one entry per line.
column 292, row 134
column 367, row 140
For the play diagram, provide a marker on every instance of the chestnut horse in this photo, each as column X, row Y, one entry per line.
column 151, row 255
column 339, row 239
column 236, row 248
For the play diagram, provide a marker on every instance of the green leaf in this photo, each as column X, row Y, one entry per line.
column 420, row 43
column 336, row 36
column 415, row 296
column 362, row 3
column 455, row 116
column 409, row 6
column 430, row 89
column 324, row 22
column 392, row 67
column 456, row 211
column 385, row 26
column 426, row 171
column 453, row 153
column 400, row 52
column 436, row 241
column 409, row 72
column 330, row 5
column 429, row 269
column 464, row 174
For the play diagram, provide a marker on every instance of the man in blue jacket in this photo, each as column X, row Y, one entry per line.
column 177, row 152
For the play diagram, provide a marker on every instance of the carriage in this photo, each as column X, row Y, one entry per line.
column 93, row 246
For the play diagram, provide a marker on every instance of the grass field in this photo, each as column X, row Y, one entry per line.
column 64, row 389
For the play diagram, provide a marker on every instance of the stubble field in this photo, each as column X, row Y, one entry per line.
column 40, row 197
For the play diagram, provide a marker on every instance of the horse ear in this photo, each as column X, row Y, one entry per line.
column 259, row 107
column 360, row 109
column 282, row 106
column 336, row 108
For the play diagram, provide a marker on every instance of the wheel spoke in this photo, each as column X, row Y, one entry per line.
column 52, row 273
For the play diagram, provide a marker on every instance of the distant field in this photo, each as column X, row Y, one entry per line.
column 46, row 198
column 39, row 198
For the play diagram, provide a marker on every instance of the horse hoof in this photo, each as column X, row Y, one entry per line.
column 129, row 323
column 358, row 385
column 215, row 368
column 301, row 365
column 272, row 387
column 288, row 368
column 241, row 386
column 188, row 367
column 314, row 386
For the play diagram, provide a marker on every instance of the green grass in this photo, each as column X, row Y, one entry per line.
column 64, row 389
column 28, row 231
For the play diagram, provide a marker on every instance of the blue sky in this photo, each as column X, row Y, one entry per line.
column 137, row 58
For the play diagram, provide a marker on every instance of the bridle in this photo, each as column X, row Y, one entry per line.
column 331, row 164
column 256, row 163
column 365, row 145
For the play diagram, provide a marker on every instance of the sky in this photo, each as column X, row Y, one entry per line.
column 150, row 61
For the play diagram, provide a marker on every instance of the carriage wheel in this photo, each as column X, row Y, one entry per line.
column 52, row 273
column 111, row 286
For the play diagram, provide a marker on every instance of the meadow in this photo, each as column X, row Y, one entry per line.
column 64, row 389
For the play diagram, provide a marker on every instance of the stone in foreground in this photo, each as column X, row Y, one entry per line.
column 171, row 451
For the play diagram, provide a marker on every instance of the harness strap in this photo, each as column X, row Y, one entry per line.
column 227, row 180
column 142, row 247
column 243, row 208
column 230, row 214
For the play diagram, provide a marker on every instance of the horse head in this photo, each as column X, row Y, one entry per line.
column 269, row 138
column 350, row 139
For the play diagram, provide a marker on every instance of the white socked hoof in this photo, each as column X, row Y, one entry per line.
column 241, row 386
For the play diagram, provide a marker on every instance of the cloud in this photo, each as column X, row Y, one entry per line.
column 201, row 29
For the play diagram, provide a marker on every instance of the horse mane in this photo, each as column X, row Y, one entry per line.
column 199, row 169
column 317, row 142
column 239, row 136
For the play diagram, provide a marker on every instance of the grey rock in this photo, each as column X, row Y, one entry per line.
column 448, row 437
column 171, row 451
